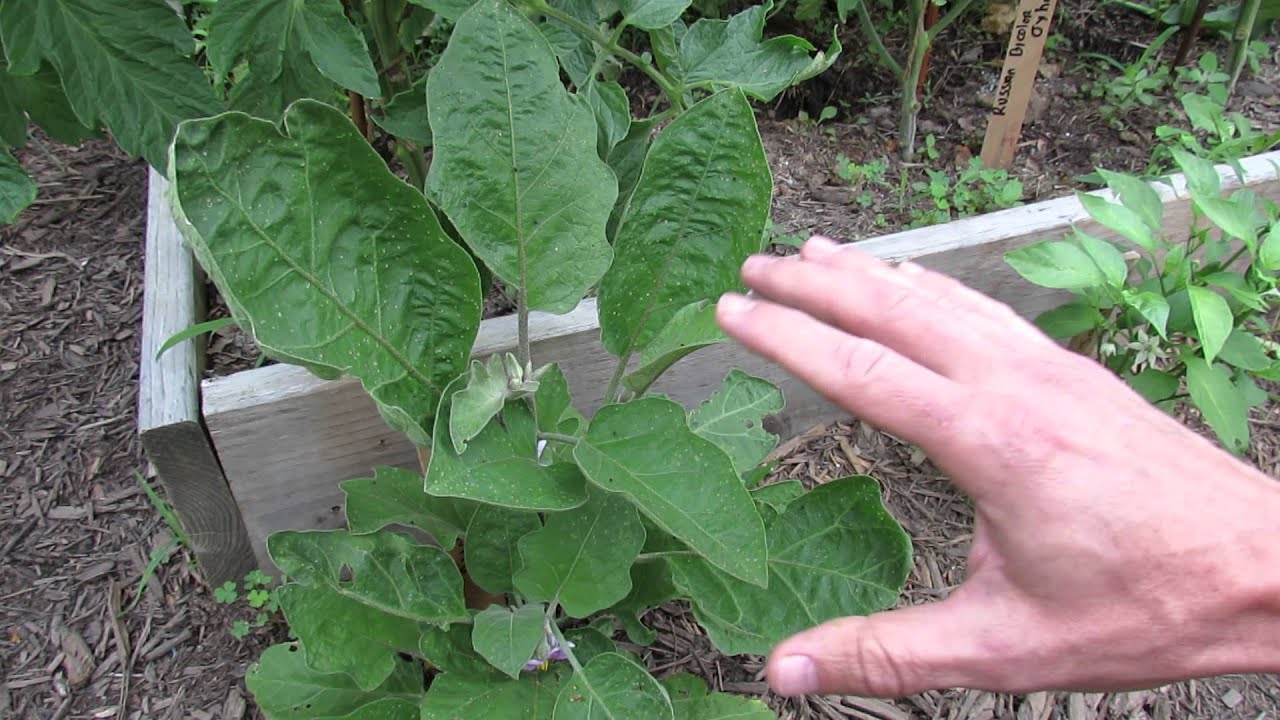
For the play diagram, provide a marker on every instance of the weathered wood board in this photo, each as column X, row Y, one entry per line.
column 286, row 439
column 169, row 402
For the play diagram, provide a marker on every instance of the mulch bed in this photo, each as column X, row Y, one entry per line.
column 77, row 531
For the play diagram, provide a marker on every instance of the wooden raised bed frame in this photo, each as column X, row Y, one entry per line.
column 279, row 440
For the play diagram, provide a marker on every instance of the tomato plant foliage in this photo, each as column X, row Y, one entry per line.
column 570, row 522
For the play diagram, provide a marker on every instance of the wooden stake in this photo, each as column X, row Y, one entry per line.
column 1017, row 77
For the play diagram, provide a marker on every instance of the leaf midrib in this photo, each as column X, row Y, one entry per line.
column 410, row 369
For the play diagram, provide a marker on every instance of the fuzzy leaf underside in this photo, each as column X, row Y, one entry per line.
column 371, row 283
column 515, row 164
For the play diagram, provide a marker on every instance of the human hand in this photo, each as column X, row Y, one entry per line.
column 1113, row 548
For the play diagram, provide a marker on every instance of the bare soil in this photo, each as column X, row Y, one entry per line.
column 76, row 530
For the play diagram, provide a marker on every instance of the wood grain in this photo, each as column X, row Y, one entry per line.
column 169, row 402
column 286, row 439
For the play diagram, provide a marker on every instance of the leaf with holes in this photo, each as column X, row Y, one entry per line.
column 681, row 481
column 286, row 689
column 355, row 599
column 832, row 553
column 581, row 557
column 515, row 163
column 733, row 419
column 340, row 271
column 697, row 213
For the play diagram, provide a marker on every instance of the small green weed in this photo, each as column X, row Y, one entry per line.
column 161, row 554
column 941, row 198
column 258, row 597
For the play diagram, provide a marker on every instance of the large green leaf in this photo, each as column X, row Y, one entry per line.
column 719, row 53
column 342, row 271
column 732, row 418
column 394, row 495
column 515, row 164
column 294, row 48
column 500, row 465
column 611, row 687
column 286, row 689
column 406, row 115
column 1056, row 264
column 609, row 102
column 691, row 701
column 1221, row 403
column 650, row 587
column 458, row 696
column 351, row 598
column 491, row 548
column 692, row 328
column 123, row 63
column 17, row 189
column 832, row 553
column 652, row 14
column 582, row 557
column 697, row 213
column 681, row 481
column 627, row 161
column 41, row 97
column 508, row 638
column 1213, row 319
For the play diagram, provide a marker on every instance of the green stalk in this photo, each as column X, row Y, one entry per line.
column 873, row 39
column 666, row 84
column 1240, row 36
column 384, row 21
column 910, row 108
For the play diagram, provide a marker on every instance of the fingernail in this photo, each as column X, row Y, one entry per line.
column 734, row 304
column 794, row 675
column 819, row 246
column 757, row 262
column 909, row 268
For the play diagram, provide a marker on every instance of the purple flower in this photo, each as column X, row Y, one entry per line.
column 549, row 650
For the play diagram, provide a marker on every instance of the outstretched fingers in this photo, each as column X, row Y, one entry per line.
column 862, row 376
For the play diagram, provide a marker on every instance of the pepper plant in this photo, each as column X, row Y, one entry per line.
column 487, row 583
column 1187, row 320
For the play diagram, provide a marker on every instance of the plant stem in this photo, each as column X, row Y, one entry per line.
column 910, row 107
column 952, row 15
column 524, row 351
column 358, row 114
column 1240, row 36
column 1190, row 31
column 611, row 395
column 558, row 437
column 873, row 39
column 594, row 35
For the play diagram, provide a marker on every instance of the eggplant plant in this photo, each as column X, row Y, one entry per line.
column 567, row 524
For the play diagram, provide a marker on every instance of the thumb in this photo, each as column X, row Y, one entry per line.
column 890, row 654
